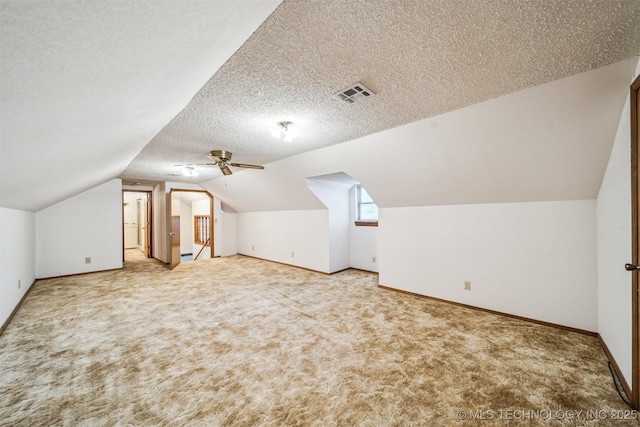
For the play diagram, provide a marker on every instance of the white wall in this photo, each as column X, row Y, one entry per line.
column 335, row 196
column 86, row 225
column 348, row 245
column 614, row 248
column 186, row 228
column 225, row 229
column 229, row 227
column 363, row 240
column 536, row 260
column 17, row 253
column 275, row 235
column 364, row 248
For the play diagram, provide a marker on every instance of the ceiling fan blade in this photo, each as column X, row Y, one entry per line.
column 222, row 158
column 244, row 165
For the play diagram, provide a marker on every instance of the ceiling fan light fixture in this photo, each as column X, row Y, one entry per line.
column 284, row 131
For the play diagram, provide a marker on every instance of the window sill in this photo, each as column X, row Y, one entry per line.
column 366, row 223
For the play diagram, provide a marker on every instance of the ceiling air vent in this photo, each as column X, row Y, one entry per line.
column 355, row 92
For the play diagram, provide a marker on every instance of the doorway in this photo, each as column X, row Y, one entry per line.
column 137, row 222
column 191, row 235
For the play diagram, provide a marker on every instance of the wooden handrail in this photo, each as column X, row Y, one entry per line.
column 202, row 248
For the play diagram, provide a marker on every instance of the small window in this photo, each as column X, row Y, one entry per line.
column 367, row 210
column 201, row 229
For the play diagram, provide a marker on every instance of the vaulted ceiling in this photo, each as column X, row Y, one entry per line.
column 97, row 90
column 85, row 85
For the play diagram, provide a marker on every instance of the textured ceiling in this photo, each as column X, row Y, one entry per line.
column 92, row 90
column 422, row 58
column 550, row 142
column 86, row 84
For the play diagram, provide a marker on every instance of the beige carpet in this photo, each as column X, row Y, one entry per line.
column 239, row 341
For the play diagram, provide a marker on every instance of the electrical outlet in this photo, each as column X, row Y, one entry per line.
column 374, row 259
column 253, row 247
column 87, row 260
column 292, row 254
column 19, row 283
column 467, row 285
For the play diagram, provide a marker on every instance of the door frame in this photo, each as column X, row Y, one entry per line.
column 635, row 243
column 146, row 225
column 149, row 215
column 170, row 223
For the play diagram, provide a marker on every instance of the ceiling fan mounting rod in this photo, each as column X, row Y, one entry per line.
column 222, row 155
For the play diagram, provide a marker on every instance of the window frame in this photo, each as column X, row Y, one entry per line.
column 363, row 222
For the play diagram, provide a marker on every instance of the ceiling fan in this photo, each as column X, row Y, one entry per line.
column 222, row 159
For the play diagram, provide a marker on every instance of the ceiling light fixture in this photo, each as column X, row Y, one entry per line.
column 189, row 171
column 284, row 131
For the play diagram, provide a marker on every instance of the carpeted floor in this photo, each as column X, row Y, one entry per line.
column 240, row 341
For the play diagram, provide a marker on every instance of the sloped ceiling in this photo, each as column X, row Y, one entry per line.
column 88, row 84
column 545, row 143
column 422, row 58
column 85, row 85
